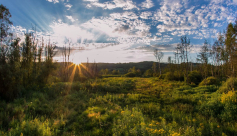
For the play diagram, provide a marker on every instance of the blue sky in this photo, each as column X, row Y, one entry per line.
column 122, row 30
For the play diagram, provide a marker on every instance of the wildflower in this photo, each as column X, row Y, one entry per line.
column 122, row 112
column 132, row 115
column 143, row 124
column 175, row 134
column 218, row 126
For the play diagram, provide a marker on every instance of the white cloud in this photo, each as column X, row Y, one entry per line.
column 235, row 2
column 123, row 16
column 68, row 6
column 146, row 15
column 63, row 30
column 173, row 19
column 54, row 1
column 124, row 4
column 122, row 27
column 91, row 0
column 71, row 18
column 147, row 4
column 177, row 18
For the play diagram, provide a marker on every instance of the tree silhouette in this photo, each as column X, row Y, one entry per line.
column 5, row 22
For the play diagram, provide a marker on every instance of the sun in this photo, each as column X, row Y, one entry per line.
column 76, row 62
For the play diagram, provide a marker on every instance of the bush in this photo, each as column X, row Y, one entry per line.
column 32, row 127
column 169, row 76
column 210, row 81
column 115, row 72
column 230, row 106
column 230, row 84
column 162, row 76
column 130, row 122
column 176, row 76
column 130, row 74
column 194, row 77
column 148, row 73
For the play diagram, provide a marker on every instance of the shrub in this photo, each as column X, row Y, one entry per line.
column 194, row 77
column 162, row 76
column 130, row 74
column 169, row 76
column 115, row 72
column 148, row 73
column 230, row 84
column 176, row 76
column 32, row 127
column 210, row 81
column 230, row 106
column 130, row 122
column 211, row 108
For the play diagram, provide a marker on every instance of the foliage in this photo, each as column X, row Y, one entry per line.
column 130, row 74
column 115, row 72
column 229, row 85
column 35, row 102
column 133, row 72
column 194, row 77
column 19, row 70
column 229, row 100
column 120, row 106
column 5, row 22
column 176, row 76
column 210, row 81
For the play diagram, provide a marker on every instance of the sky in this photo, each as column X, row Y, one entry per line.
column 122, row 30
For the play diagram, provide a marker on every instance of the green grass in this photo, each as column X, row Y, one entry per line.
column 121, row 106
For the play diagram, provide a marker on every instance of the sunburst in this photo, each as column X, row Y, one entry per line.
column 76, row 62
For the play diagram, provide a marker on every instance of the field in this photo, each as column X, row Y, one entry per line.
column 122, row 106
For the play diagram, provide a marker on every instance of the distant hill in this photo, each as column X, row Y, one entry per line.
column 124, row 67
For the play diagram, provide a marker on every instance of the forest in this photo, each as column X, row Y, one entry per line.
column 41, row 97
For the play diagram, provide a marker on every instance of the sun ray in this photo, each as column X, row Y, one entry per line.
column 79, row 68
column 71, row 78
column 70, row 65
column 86, row 69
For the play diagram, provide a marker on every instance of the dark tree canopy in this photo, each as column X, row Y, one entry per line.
column 5, row 22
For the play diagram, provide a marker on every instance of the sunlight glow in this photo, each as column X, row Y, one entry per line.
column 76, row 62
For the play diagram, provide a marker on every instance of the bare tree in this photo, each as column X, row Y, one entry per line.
column 159, row 55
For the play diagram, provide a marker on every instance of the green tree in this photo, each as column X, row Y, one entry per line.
column 106, row 71
column 217, row 55
column 231, row 47
column 132, row 70
column 102, row 71
column 148, row 73
column 5, row 22
column 154, row 69
column 115, row 72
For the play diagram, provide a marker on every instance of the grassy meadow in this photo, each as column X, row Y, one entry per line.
column 41, row 97
column 122, row 106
